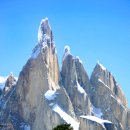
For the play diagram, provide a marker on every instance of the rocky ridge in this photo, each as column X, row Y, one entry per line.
column 44, row 97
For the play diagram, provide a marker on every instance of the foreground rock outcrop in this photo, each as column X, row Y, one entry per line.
column 43, row 97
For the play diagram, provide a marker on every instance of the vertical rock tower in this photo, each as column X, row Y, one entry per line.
column 40, row 74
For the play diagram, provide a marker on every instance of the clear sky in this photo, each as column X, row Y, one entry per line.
column 94, row 29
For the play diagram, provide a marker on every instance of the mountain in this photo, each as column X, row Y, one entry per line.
column 44, row 97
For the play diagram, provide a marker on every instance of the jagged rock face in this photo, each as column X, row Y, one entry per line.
column 43, row 98
column 75, row 80
column 6, row 103
column 113, row 104
column 10, row 82
column 44, row 31
column 40, row 74
column 101, row 74
column 89, row 123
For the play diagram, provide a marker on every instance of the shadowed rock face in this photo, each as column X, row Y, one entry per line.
column 43, row 97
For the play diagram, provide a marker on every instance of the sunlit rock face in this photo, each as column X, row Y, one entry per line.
column 44, row 97
column 76, row 81
column 40, row 74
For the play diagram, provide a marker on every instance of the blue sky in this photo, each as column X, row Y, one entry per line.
column 94, row 29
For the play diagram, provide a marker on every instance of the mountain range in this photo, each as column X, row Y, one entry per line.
column 44, row 96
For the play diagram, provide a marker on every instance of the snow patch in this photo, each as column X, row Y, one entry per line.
column 66, row 117
column 44, row 20
column 101, row 65
column 66, row 52
column 40, row 32
column 77, row 57
column 80, row 89
column 97, row 112
column 103, row 83
column 96, row 119
column 66, row 49
column 50, row 95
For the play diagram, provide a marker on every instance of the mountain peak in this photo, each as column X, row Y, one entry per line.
column 45, row 38
column 44, row 31
column 66, row 52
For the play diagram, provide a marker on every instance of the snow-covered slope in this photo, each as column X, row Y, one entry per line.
column 51, row 96
column 96, row 119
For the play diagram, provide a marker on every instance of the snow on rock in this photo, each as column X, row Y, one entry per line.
column 96, row 119
column 66, row 52
column 43, row 25
column 2, row 82
column 50, row 95
column 66, row 49
column 44, row 37
column 103, row 83
column 97, row 112
column 101, row 65
column 66, row 117
column 77, row 57
column 40, row 47
column 80, row 89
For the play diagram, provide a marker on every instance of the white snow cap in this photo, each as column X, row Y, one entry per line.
column 44, row 30
column 80, row 89
column 66, row 49
column 44, row 37
column 77, row 57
